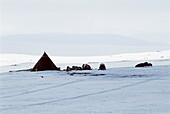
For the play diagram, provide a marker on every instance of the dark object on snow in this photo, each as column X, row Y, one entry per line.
column 21, row 70
column 86, row 74
column 80, row 73
column 68, row 68
column 145, row 64
column 73, row 68
column 102, row 67
column 45, row 63
column 86, row 67
column 76, row 68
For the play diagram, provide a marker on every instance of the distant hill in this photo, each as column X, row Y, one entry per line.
column 71, row 44
column 79, row 39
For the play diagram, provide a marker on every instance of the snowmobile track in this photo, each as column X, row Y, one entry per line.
column 81, row 96
column 43, row 89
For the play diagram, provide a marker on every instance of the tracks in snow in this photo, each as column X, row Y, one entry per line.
column 43, row 89
column 78, row 96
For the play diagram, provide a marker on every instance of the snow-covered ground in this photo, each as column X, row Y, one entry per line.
column 19, row 61
column 121, row 89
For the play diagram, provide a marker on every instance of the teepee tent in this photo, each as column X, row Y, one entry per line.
column 45, row 63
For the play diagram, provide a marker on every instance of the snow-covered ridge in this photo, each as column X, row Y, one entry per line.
column 9, row 59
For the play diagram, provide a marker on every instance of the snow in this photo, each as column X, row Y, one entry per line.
column 123, row 89
column 13, row 59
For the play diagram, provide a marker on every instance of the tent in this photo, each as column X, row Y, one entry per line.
column 45, row 63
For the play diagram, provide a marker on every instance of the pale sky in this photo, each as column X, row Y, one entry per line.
column 27, row 22
column 124, row 17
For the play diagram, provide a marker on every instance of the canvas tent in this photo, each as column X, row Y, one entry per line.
column 45, row 63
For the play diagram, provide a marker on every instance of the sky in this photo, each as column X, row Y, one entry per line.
column 84, row 20
column 123, row 17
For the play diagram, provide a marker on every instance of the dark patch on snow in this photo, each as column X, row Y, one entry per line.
column 86, row 74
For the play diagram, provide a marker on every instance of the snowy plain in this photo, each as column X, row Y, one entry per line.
column 121, row 89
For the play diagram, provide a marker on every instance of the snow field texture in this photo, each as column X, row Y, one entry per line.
column 122, row 89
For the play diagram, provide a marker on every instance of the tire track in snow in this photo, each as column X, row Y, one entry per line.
column 43, row 89
column 80, row 96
